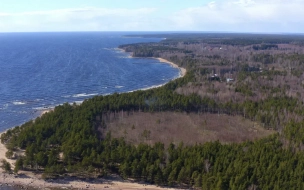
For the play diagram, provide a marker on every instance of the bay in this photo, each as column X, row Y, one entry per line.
column 41, row 70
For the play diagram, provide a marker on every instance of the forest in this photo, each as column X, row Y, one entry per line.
column 258, row 77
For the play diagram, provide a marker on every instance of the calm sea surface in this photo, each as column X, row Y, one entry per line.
column 41, row 70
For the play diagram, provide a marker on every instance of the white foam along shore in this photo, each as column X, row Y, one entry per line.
column 33, row 180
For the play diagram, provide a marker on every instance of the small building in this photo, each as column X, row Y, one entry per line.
column 214, row 77
column 229, row 79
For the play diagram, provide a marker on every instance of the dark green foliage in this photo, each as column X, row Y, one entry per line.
column 6, row 166
column 263, row 163
column 265, row 47
column 19, row 164
column 145, row 50
column 245, row 89
column 263, row 58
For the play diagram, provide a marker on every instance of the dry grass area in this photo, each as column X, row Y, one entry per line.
column 191, row 128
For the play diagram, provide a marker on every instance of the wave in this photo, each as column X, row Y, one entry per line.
column 119, row 86
column 78, row 102
column 108, row 48
column 66, row 96
column 124, row 57
column 106, row 94
column 154, row 86
column 118, row 49
column 44, row 108
column 18, row 103
column 4, row 107
column 84, row 95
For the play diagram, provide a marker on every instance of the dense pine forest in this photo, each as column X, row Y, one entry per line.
column 258, row 77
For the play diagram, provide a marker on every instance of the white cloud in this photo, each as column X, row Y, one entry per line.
column 244, row 2
column 228, row 15
column 212, row 4
column 244, row 16
column 81, row 19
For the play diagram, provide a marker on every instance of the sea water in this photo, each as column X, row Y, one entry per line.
column 41, row 70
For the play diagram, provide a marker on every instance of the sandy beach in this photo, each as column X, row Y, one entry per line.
column 25, row 181
column 182, row 70
column 46, row 111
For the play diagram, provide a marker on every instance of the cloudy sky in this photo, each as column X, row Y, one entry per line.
column 263, row 16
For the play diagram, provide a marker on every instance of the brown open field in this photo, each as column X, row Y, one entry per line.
column 178, row 127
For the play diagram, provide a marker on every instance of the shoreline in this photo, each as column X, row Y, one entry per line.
column 30, row 179
column 27, row 180
column 182, row 70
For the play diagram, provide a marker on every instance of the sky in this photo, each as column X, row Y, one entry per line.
column 254, row 16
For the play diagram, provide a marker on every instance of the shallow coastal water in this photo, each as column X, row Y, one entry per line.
column 41, row 70
column 9, row 187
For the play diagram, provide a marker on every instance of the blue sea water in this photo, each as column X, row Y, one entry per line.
column 41, row 70
column 7, row 187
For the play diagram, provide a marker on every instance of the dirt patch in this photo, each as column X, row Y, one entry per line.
column 191, row 128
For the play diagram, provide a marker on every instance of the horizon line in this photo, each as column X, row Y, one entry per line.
column 165, row 31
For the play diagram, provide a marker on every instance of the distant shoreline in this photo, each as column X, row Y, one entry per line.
column 182, row 70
